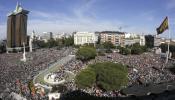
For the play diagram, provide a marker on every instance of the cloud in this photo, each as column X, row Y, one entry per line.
column 83, row 19
column 70, row 24
column 40, row 14
column 86, row 9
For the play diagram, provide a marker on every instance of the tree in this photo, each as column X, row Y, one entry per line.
column 137, row 49
column 86, row 53
column 124, row 51
column 108, row 76
column 2, row 48
column 164, row 48
column 134, row 49
column 89, row 45
column 68, row 41
column 108, row 45
column 59, row 42
column 55, row 43
column 98, row 41
column 51, row 43
column 86, row 78
column 40, row 44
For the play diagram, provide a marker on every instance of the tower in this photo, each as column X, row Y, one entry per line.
column 17, row 27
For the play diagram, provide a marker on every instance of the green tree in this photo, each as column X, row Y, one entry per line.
column 69, row 41
column 108, row 76
column 86, row 53
column 124, row 51
column 86, row 78
column 89, row 45
column 137, row 49
column 2, row 48
column 59, row 43
column 108, row 45
column 164, row 48
column 51, row 43
column 40, row 44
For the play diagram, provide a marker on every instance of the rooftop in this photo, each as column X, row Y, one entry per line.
column 112, row 32
column 18, row 10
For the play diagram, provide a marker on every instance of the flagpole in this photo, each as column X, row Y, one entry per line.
column 168, row 42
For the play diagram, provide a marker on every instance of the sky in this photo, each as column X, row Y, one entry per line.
column 58, row 16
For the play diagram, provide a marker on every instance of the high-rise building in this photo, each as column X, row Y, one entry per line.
column 46, row 36
column 81, row 38
column 17, row 27
column 116, row 38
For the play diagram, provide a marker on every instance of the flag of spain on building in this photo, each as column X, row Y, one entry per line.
column 164, row 26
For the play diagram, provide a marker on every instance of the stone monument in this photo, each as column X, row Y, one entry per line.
column 24, row 53
column 31, row 41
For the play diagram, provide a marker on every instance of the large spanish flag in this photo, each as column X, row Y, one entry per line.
column 163, row 26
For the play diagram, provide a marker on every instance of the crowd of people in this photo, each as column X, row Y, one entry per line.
column 147, row 68
column 144, row 69
column 57, row 76
column 15, row 74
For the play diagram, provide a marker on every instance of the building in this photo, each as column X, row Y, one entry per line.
column 61, row 35
column 17, row 28
column 157, row 41
column 131, row 41
column 81, row 38
column 46, row 36
column 134, row 38
column 149, row 41
column 173, row 40
column 142, row 40
column 116, row 38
